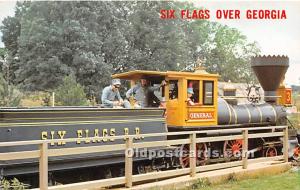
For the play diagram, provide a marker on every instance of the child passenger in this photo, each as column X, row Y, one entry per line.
column 190, row 93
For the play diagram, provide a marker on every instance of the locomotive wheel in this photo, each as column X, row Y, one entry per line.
column 296, row 155
column 201, row 154
column 233, row 148
column 107, row 173
column 271, row 152
column 184, row 157
column 201, row 150
column 141, row 169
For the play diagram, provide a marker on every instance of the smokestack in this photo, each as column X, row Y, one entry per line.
column 270, row 71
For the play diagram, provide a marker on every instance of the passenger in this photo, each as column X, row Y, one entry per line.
column 142, row 92
column 111, row 96
column 190, row 93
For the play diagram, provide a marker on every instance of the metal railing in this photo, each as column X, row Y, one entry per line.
column 43, row 153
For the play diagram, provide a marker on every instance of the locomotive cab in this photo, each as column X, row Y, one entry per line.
column 180, row 114
column 203, row 111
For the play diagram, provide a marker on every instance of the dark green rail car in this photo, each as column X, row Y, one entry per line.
column 74, row 122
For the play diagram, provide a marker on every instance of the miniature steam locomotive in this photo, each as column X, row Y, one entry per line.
column 211, row 111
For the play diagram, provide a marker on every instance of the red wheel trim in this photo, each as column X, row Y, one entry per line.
column 271, row 152
column 184, row 160
column 296, row 153
column 233, row 145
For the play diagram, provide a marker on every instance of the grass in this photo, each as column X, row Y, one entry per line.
column 288, row 180
column 295, row 117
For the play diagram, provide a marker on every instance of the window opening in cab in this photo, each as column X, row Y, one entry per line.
column 173, row 89
column 193, row 86
column 208, row 93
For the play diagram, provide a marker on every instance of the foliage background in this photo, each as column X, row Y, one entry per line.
column 47, row 41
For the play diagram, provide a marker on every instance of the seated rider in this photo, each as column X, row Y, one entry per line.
column 190, row 93
column 111, row 96
column 142, row 93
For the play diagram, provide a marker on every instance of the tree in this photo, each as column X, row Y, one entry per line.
column 3, row 53
column 47, row 41
column 153, row 41
column 70, row 93
column 223, row 50
column 58, row 38
column 11, row 31
column 9, row 95
column 230, row 54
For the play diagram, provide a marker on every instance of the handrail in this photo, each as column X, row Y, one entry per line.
column 43, row 153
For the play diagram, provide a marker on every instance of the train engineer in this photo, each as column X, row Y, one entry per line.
column 143, row 92
column 111, row 96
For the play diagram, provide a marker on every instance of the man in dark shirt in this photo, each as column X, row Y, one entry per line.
column 142, row 92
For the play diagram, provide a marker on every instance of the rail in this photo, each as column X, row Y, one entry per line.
column 43, row 153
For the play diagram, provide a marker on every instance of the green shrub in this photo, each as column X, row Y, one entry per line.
column 9, row 94
column 70, row 93
column 13, row 184
column 201, row 183
column 232, row 177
